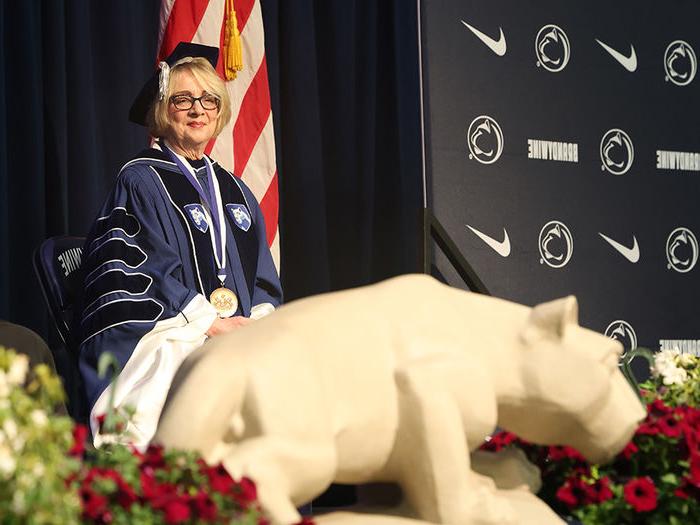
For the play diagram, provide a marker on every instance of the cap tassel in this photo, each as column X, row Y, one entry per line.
column 233, row 49
column 163, row 79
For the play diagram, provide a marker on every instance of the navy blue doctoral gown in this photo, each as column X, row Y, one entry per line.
column 149, row 270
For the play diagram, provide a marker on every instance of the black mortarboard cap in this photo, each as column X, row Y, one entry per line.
column 143, row 101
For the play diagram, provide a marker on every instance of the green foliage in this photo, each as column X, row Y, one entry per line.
column 34, row 446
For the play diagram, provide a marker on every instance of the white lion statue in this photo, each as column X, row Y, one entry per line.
column 398, row 382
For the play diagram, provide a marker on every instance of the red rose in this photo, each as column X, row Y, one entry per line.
column 630, row 450
column 686, row 490
column 125, row 493
column 153, row 458
column 599, row 491
column 566, row 495
column 582, row 471
column 165, row 497
column 669, row 426
column 692, row 438
column 556, row 453
column 683, row 490
column 648, row 429
column 205, row 507
column 80, row 433
column 506, row 438
column 305, row 520
column 219, row 479
column 694, row 477
column 658, row 408
column 176, row 511
column 149, row 485
column 157, row 494
column 245, row 492
column 681, row 493
column 94, row 504
column 499, row 441
column 691, row 416
column 573, row 492
column 641, row 494
column 91, row 474
column 126, row 496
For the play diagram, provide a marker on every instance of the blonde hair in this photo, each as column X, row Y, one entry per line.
column 158, row 118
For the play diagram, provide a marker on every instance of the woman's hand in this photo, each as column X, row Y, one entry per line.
column 222, row 326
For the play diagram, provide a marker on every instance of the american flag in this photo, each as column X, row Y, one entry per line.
column 246, row 146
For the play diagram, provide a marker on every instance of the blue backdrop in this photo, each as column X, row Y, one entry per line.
column 562, row 155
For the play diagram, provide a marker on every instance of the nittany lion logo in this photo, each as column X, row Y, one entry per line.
column 485, row 140
column 682, row 250
column 198, row 217
column 623, row 332
column 680, row 63
column 616, row 152
column 552, row 48
column 556, row 244
column 240, row 216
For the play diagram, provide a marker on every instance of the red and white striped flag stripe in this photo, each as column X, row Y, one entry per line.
column 246, row 146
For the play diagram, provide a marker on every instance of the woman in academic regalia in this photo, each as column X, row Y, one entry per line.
column 178, row 252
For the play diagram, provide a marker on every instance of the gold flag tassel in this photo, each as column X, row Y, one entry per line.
column 233, row 49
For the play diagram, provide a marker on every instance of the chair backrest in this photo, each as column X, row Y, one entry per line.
column 57, row 265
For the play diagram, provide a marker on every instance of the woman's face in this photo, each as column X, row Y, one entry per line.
column 190, row 129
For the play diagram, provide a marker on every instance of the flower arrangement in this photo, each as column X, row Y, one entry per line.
column 119, row 485
column 49, row 474
column 34, row 445
column 655, row 479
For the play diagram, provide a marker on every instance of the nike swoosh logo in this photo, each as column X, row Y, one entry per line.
column 502, row 248
column 631, row 254
column 497, row 46
column 628, row 62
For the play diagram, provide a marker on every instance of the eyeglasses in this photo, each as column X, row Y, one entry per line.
column 207, row 101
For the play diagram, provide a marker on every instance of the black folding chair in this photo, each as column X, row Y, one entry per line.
column 57, row 263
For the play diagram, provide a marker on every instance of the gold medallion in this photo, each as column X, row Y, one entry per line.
column 224, row 301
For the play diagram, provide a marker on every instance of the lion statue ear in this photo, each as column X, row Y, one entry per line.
column 549, row 320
